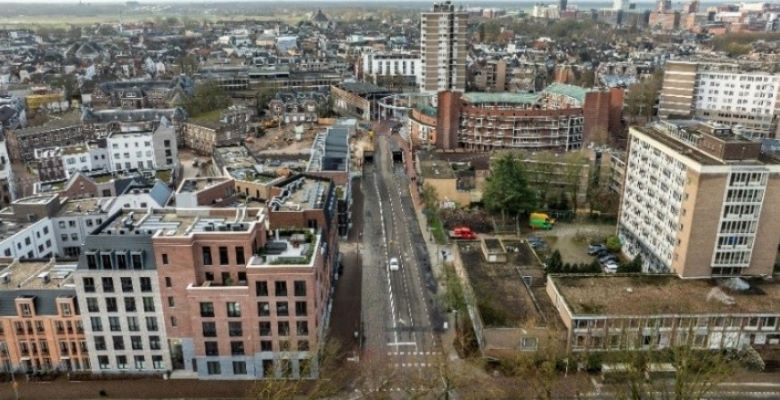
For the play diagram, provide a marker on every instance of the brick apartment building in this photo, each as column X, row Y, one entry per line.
column 560, row 118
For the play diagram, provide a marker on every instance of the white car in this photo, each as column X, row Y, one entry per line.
column 610, row 267
column 394, row 265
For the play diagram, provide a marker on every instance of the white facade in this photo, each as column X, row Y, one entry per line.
column 35, row 240
column 6, row 173
column 651, row 203
column 391, row 64
column 130, row 150
column 83, row 158
column 123, row 320
column 741, row 92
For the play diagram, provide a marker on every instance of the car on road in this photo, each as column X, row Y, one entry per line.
column 594, row 249
column 394, row 265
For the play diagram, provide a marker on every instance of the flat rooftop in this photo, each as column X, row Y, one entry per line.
column 302, row 193
column 689, row 151
column 36, row 200
column 436, row 169
column 83, row 206
column 661, row 294
column 198, row 184
column 43, row 274
column 171, row 223
column 288, row 247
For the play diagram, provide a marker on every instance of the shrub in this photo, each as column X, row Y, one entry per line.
column 613, row 243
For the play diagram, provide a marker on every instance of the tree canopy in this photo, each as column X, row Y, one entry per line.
column 506, row 190
column 208, row 97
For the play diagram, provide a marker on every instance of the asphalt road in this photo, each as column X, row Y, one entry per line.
column 400, row 320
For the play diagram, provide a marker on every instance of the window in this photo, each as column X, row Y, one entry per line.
column 113, row 324
column 154, row 342
column 108, row 284
column 100, row 343
column 283, row 328
column 212, row 348
column 103, row 362
column 239, row 367
column 207, row 256
column 89, row 285
column 132, row 324
column 111, row 304
column 157, row 362
column 223, row 255
column 300, row 288
column 237, row 348
column 234, row 328
column 213, row 367
column 148, row 304
column 96, row 323
column 302, row 328
column 105, row 259
column 121, row 262
column 265, row 345
column 136, row 343
column 151, row 324
column 240, row 260
column 140, row 362
column 263, row 309
column 92, row 304
column 280, row 288
column 265, row 328
column 171, row 302
column 146, row 284
column 118, row 342
column 137, row 261
column 233, row 309
column 165, row 259
column 65, row 309
column 127, row 284
column 300, row 308
column 282, row 309
column 129, row 304
column 303, row 345
column 261, row 288
column 207, row 309
column 168, row 282
column 209, row 329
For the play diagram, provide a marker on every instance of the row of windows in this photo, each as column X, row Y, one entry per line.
column 681, row 322
column 118, row 343
column 115, row 260
column 114, row 324
column 235, row 328
column 280, row 288
column 224, row 259
column 126, row 283
column 140, row 362
column 111, row 304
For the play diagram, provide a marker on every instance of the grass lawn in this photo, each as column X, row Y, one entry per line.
column 437, row 229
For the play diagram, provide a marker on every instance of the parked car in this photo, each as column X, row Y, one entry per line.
column 608, row 258
column 610, row 267
column 593, row 249
column 536, row 242
column 601, row 253
column 394, row 265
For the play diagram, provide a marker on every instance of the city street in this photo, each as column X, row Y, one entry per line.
column 399, row 319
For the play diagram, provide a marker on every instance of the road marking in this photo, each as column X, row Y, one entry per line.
column 396, row 343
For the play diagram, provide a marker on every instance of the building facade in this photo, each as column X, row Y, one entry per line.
column 724, row 93
column 443, row 48
column 699, row 201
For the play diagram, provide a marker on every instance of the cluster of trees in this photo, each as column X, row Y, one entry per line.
column 208, row 97
column 640, row 100
column 506, row 189
column 555, row 265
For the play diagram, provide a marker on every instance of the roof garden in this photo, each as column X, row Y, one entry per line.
column 288, row 247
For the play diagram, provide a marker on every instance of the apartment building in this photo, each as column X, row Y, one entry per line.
column 7, row 189
column 204, row 135
column 142, row 149
column 398, row 69
column 630, row 312
column 724, row 93
column 40, row 325
column 119, row 298
column 699, row 201
column 22, row 142
column 443, row 48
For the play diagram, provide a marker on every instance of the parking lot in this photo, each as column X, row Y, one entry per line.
column 572, row 240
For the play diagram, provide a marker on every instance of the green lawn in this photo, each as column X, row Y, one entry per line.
column 437, row 229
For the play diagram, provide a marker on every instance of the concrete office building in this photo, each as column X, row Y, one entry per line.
column 724, row 93
column 700, row 202
column 119, row 298
column 388, row 68
column 628, row 313
column 443, row 48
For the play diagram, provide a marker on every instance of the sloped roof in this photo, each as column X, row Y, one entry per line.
column 501, row 98
column 575, row 92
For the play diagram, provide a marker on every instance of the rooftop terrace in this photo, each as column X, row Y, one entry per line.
column 288, row 247
column 302, row 193
column 198, row 184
